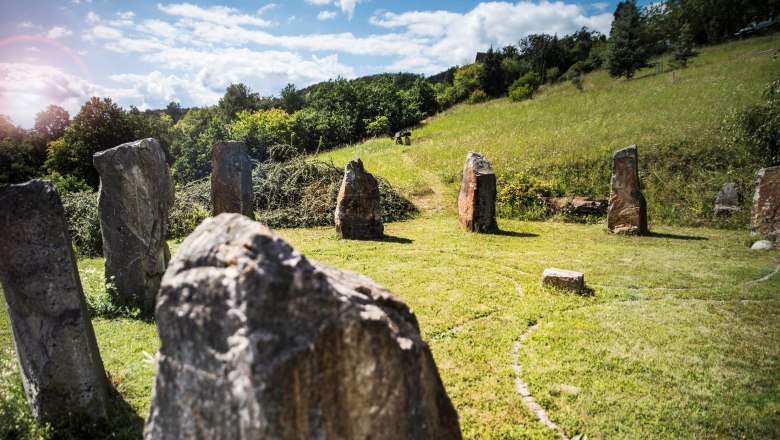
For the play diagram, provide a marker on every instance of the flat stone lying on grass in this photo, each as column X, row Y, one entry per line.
column 627, row 212
column 136, row 193
column 763, row 245
column 358, row 206
column 563, row 279
column 765, row 218
column 231, row 179
column 62, row 372
column 257, row 341
column 575, row 205
column 727, row 201
column 477, row 197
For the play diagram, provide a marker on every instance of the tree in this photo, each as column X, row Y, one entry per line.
column 52, row 122
column 683, row 47
column 491, row 77
column 626, row 52
column 291, row 99
column 238, row 97
column 175, row 111
column 191, row 141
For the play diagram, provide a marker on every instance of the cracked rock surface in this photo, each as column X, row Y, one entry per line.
column 765, row 217
column 477, row 197
column 231, row 179
column 358, row 212
column 136, row 193
column 257, row 341
column 627, row 211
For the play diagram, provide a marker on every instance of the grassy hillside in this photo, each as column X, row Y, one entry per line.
column 674, row 118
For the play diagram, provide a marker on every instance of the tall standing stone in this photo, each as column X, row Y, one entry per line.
column 257, row 341
column 727, row 201
column 231, row 179
column 358, row 206
column 477, row 198
column 627, row 212
column 62, row 372
column 136, row 193
column 765, row 218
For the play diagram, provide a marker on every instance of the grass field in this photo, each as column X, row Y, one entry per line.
column 680, row 337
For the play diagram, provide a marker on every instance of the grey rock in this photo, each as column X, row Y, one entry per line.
column 231, row 179
column 575, row 205
column 136, row 193
column 627, row 211
column 358, row 206
column 563, row 279
column 763, row 245
column 257, row 341
column 58, row 356
column 477, row 197
column 765, row 217
column 728, row 200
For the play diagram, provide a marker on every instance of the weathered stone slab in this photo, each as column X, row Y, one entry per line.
column 765, row 218
column 563, row 279
column 358, row 206
column 727, row 201
column 763, row 245
column 58, row 356
column 575, row 205
column 257, row 341
column 477, row 198
column 627, row 212
column 136, row 193
column 231, row 179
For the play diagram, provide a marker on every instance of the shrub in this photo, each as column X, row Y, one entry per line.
column 83, row 223
column 379, row 127
column 477, row 96
column 192, row 206
column 521, row 92
column 756, row 129
column 518, row 195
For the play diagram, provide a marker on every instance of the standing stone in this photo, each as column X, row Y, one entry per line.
column 257, row 341
column 627, row 212
column 136, row 193
column 358, row 206
column 728, row 200
column 231, row 179
column 477, row 198
column 58, row 356
column 765, row 218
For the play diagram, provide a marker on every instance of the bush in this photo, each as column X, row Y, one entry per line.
column 379, row 127
column 477, row 96
column 518, row 195
column 83, row 223
column 192, row 206
column 525, row 87
column 756, row 129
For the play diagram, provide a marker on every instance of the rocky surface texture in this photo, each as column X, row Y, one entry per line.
column 727, row 201
column 575, row 205
column 563, row 279
column 259, row 342
column 358, row 206
column 765, row 218
column 231, row 179
column 62, row 372
column 136, row 193
column 477, row 198
column 627, row 212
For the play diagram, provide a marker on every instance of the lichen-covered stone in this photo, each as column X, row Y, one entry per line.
column 727, row 201
column 627, row 211
column 765, row 218
column 136, row 193
column 62, row 372
column 477, row 197
column 231, row 179
column 257, row 341
column 575, row 205
column 358, row 206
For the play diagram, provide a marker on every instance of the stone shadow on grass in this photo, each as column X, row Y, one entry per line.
column 513, row 233
column 122, row 422
column 675, row 236
column 385, row 239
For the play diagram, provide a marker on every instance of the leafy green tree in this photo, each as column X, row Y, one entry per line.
column 238, row 97
column 491, row 77
column 683, row 47
column 52, row 122
column 152, row 125
column 626, row 51
column 262, row 130
column 192, row 139
column 418, row 102
column 291, row 99
column 174, row 111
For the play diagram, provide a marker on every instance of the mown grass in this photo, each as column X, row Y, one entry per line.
column 674, row 118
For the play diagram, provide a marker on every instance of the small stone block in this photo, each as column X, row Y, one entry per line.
column 563, row 279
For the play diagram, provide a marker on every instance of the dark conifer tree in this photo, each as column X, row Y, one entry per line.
column 491, row 78
column 626, row 51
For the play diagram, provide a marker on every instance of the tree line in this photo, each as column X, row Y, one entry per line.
column 341, row 111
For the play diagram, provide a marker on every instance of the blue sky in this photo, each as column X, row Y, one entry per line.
column 148, row 53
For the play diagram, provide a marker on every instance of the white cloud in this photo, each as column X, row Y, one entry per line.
column 326, row 15
column 216, row 14
column 103, row 32
column 92, row 18
column 317, row 2
column 25, row 25
column 127, row 15
column 600, row 6
column 58, row 32
column 348, row 6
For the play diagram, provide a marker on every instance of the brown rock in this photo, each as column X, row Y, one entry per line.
column 136, row 193
column 575, row 205
column 765, row 218
column 257, row 341
column 477, row 198
column 231, row 179
column 563, row 279
column 358, row 206
column 62, row 372
column 627, row 212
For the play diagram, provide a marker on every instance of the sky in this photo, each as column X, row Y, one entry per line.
column 149, row 53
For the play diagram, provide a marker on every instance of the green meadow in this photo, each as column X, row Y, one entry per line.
column 679, row 336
